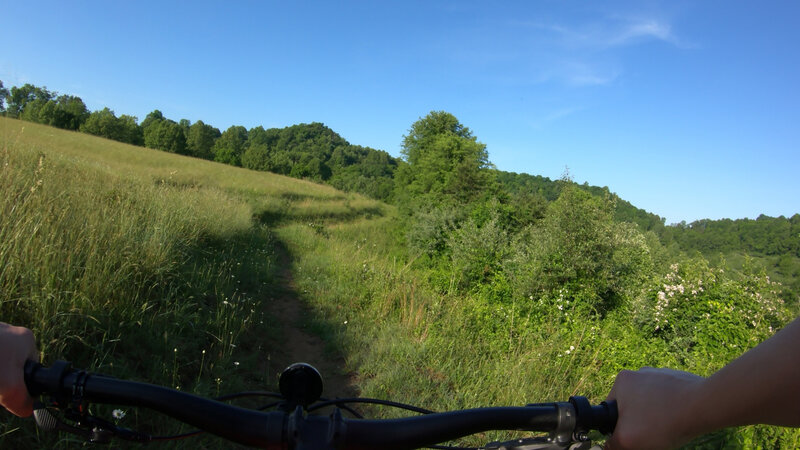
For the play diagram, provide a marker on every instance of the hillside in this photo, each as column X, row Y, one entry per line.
column 157, row 267
column 313, row 151
column 154, row 266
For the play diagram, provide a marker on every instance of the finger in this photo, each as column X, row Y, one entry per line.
column 619, row 380
column 34, row 354
column 612, row 394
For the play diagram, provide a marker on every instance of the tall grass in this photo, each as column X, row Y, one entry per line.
column 142, row 264
column 411, row 343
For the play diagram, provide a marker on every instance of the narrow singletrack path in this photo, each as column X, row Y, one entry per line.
column 297, row 343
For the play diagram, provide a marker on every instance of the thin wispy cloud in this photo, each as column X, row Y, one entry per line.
column 583, row 54
column 549, row 117
column 589, row 79
column 583, row 74
column 611, row 32
column 577, row 73
column 640, row 31
column 560, row 114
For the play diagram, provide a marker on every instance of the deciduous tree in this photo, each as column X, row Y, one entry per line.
column 21, row 96
column 229, row 147
column 165, row 135
column 445, row 162
column 200, row 139
column 3, row 94
column 106, row 124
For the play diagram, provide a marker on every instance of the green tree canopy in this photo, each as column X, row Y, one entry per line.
column 230, row 146
column 66, row 111
column 131, row 131
column 3, row 94
column 579, row 251
column 153, row 117
column 21, row 96
column 106, row 124
column 103, row 123
column 165, row 135
column 444, row 162
column 70, row 113
column 200, row 139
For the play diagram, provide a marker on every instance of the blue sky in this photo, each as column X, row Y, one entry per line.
column 687, row 109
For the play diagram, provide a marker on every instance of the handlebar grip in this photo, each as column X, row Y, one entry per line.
column 31, row 367
column 40, row 379
column 602, row 417
column 605, row 416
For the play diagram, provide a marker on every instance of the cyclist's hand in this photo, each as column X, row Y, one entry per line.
column 655, row 409
column 16, row 346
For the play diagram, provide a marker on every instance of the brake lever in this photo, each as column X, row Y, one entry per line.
column 47, row 421
column 96, row 430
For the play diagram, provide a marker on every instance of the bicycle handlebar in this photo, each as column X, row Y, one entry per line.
column 567, row 421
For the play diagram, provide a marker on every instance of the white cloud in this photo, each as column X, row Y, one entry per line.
column 590, row 78
column 561, row 113
column 582, row 54
column 609, row 32
column 586, row 73
column 641, row 30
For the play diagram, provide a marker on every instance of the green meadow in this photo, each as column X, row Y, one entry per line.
column 158, row 267
column 143, row 264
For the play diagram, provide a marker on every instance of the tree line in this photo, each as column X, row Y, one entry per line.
column 763, row 236
column 310, row 151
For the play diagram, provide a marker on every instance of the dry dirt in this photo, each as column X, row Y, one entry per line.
column 297, row 344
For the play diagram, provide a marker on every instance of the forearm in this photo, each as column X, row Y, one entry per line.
column 761, row 386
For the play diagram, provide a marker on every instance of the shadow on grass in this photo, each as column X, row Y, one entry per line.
column 208, row 324
column 284, row 216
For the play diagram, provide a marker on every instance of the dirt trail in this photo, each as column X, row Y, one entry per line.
column 297, row 344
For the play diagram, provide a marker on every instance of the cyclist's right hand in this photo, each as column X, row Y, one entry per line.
column 16, row 346
column 641, row 425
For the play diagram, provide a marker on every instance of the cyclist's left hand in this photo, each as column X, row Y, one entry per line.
column 16, row 346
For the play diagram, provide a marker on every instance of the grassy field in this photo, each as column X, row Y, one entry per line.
column 158, row 267
column 143, row 264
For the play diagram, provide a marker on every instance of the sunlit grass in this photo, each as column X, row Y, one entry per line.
column 410, row 343
column 143, row 264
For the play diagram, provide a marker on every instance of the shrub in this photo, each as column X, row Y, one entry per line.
column 708, row 318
